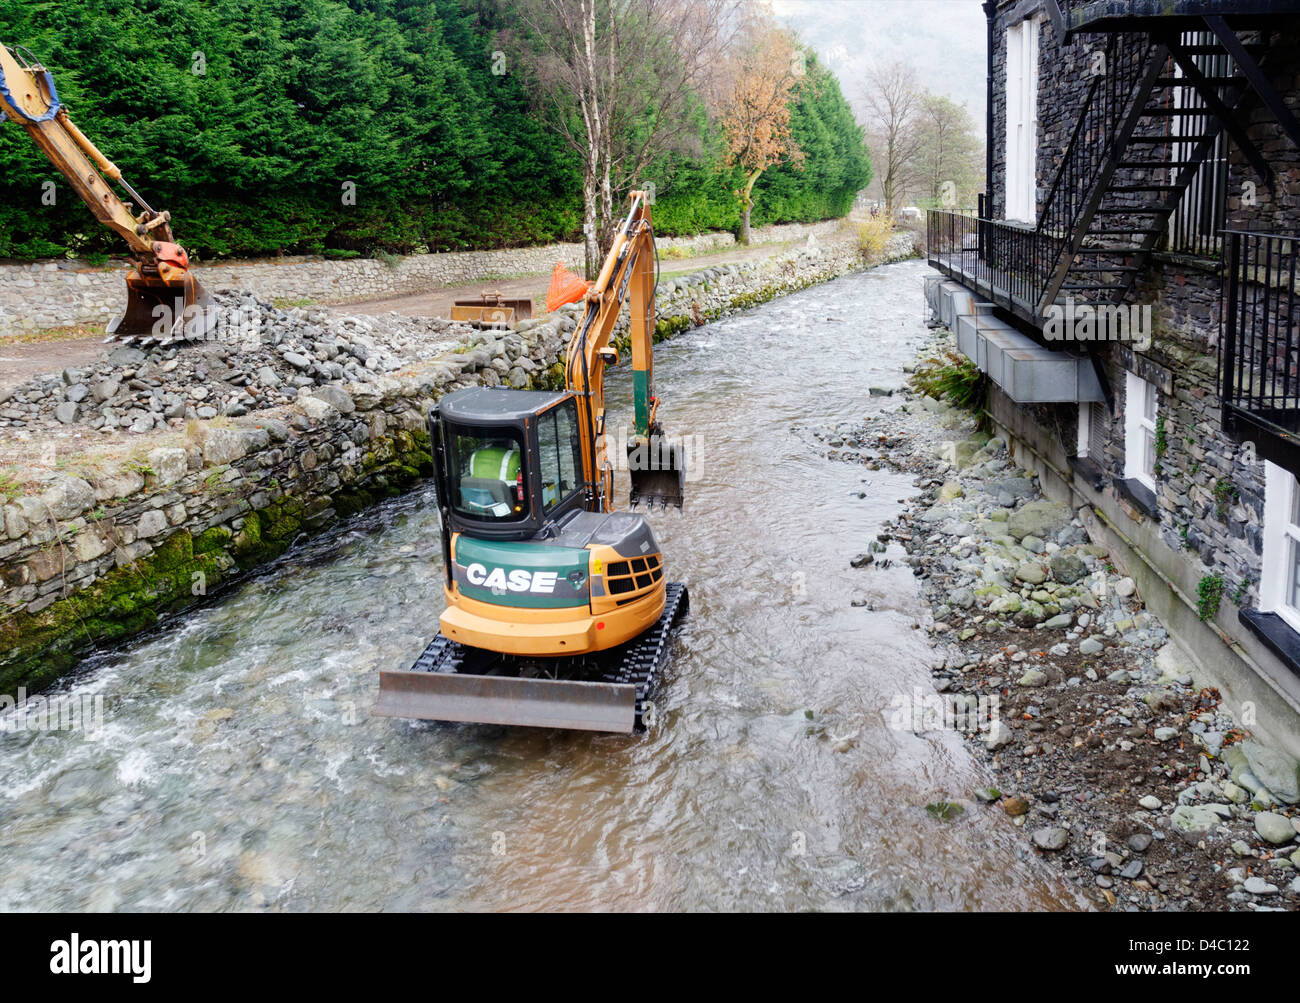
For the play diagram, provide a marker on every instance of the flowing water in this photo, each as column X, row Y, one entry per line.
column 238, row 767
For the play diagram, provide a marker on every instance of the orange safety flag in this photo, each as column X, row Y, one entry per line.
column 565, row 288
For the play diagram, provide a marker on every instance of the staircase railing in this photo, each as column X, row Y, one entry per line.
column 1259, row 351
column 1089, row 156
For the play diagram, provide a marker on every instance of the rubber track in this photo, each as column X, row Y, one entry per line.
column 638, row 662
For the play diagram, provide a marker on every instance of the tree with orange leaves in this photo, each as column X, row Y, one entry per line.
column 765, row 73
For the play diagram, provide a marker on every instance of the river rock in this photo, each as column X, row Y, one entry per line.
column 1067, row 568
column 998, row 735
column 1033, row 678
column 1258, row 886
column 1274, row 828
column 1031, row 573
column 1090, row 646
column 1051, row 838
column 951, row 491
column 1276, row 770
column 1194, row 820
column 1038, row 518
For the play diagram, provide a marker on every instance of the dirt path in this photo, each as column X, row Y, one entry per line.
column 19, row 362
column 438, row 302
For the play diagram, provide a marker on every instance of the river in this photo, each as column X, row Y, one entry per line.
column 238, row 767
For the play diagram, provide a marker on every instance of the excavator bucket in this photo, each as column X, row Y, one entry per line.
column 658, row 470
column 161, row 309
column 509, row 700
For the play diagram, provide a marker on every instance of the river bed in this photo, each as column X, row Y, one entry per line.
column 238, row 767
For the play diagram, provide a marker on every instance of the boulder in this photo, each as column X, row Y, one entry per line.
column 1277, row 771
column 1038, row 518
column 1067, row 568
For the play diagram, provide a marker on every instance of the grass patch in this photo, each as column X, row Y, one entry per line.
column 873, row 236
column 74, row 333
column 954, row 378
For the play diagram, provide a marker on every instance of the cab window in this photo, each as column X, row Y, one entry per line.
column 559, row 454
column 488, row 476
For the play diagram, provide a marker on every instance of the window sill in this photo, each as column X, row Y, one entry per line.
column 1087, row 471
column 1139, row 496
column 1278, row 636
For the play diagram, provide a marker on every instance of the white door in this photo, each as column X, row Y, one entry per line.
column 1022, row 120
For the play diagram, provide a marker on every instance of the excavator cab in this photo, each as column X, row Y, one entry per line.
column 511, row 461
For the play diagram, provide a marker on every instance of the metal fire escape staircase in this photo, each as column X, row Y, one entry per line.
column 1150, row 119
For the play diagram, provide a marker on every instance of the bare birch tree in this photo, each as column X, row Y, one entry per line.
column 616, row 79
column 894, row 102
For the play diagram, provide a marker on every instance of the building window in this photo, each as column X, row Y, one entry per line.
column 1279, row 587
column 1194, row 226
column 1140, row 404
column 1022, row 120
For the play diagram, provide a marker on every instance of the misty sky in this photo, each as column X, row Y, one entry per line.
column 943, row 39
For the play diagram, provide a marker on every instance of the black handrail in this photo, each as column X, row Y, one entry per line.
column 1259, row 347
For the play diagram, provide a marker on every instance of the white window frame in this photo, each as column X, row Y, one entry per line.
column 1139, row 427
column 1021, row 112
column 1281, row 545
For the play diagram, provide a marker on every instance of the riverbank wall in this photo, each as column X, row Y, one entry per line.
column 54, row 294
column 102, row 548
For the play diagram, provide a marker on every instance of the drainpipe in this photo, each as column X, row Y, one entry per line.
column 991, row 13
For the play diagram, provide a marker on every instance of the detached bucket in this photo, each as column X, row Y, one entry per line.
column 566, row 287
column 658, row 470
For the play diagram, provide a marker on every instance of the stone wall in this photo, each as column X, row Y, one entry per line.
column 108, row 546
column 65, row 293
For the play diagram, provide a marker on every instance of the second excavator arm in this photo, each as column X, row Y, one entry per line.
column 164, row 300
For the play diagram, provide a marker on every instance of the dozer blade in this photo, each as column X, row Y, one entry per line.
column 658, row 474
column 159, row 311
column 511, row 700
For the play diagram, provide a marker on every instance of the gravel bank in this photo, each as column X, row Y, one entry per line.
column 1101, row 748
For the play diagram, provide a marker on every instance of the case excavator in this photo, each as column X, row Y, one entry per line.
column 558, row 609
column 164, row 301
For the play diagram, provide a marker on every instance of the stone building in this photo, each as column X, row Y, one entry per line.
column 1128, row 285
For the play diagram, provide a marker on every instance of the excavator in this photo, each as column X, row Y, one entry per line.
column 165, row 302
column 558, row 610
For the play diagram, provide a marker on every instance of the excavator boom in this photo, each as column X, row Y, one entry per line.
column 629, row 274
column 165, row 302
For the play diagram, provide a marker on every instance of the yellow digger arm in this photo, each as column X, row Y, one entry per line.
column 628, row 271
column 161, row 276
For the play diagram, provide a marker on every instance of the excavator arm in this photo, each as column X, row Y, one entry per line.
column 165, row 301
column 627, row 275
